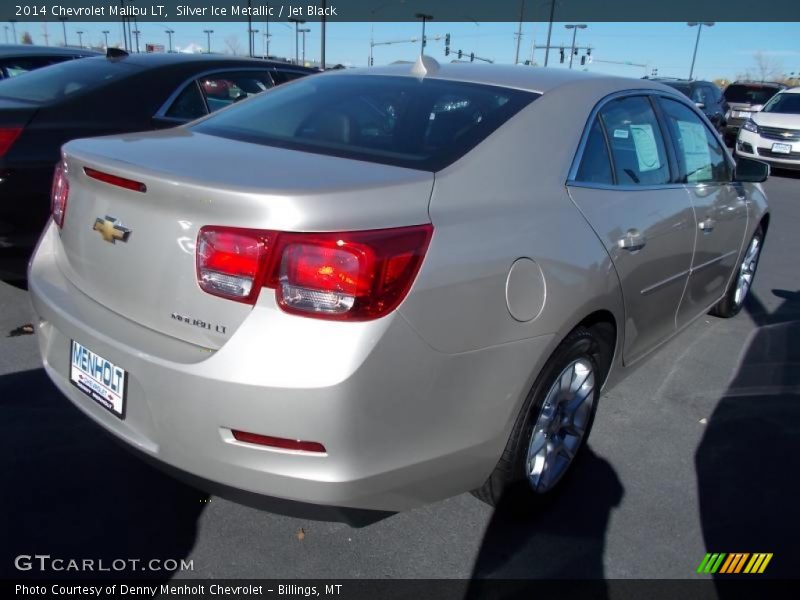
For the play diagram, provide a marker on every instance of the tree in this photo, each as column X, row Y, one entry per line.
column 26, row 38
column 233, row 45
column 766, row 68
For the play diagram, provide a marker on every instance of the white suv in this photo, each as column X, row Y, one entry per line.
column 773, row 135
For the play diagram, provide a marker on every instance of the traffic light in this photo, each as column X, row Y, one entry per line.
column 447, row 44
column 583, row 59
column 471, row 57
column 447, row 50
column 575, row 52
column 371, row 61
column 460, row 54
column 588, row 52
column 561, row 51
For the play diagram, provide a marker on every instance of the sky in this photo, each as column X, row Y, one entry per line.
column 725, row 50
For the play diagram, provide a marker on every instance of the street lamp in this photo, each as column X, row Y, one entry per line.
column 697, row 41
column 304, row 32
column 574, row 28
column 208, row 33
column 253, row 33
column 169, row 35
column 424, row 18
column 80, row 37
column 105, row 34
column 136, row 32
column 297, row 23
column 64, row 27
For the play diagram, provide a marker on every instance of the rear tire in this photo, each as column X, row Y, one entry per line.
column 545, row 422
column 742, row 280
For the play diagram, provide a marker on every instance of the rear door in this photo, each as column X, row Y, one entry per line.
column 720, row 207
column 623, row 184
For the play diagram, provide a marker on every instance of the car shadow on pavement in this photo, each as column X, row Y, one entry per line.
column 563, row 538
column 748, row 460
column 70, row 492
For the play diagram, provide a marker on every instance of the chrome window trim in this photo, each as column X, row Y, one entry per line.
column 161, row 113
column 649, row 93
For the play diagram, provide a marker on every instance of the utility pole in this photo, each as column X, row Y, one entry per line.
column 169, row 35
column 322, row 35
column 80, row 37
column 424, row 18
column 208, row 33
column 136, row 32
column 45, row 35
column 297, row 23
column 105, row 35
column 252, row 37
column 519, row 30
column 697, row 41
column 304, row 32
column 549, row 31
column 574, row 35
column 64, row 27
column 266, row 34
column 14, row 28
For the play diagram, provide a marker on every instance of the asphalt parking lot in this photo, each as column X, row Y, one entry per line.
column 698, row 451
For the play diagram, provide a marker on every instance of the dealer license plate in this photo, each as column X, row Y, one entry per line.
column 99, row 378
column 782, row 148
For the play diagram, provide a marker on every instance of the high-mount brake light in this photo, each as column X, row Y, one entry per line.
column 128, row 184
column 355, row 275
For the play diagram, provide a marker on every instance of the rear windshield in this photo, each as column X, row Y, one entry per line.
column 749, row 94
column 400, row 121
column 784, row 104
column 63, row 80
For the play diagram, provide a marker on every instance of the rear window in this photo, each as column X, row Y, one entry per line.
column 749, row 94
column 400, row 121
column 64, row 80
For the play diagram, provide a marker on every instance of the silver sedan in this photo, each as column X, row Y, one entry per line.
column 378, row 288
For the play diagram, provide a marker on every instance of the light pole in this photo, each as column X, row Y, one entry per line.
column 80, row 37
column 64, row 27
column 169, row 35
column 322, row 35
column 13, row 28
column 574, row 35
column 208, row 33
column 549, row 31
column 253, row 33
column 304, row 32
column 136, row 32
column 424, row 18
column 105, row 33
column 519, row 30
column 297, row 23
column 697, row 41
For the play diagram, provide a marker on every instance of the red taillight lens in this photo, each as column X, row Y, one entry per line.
column 128, row 184
column 59, row 193
column 8, row 135
column 357, row 275
column 276, row 442
column 231, row 261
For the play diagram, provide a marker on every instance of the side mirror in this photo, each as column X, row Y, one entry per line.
column 699, row 105
column 750, row 171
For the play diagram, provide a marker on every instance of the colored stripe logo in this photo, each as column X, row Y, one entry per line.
column 734, row 563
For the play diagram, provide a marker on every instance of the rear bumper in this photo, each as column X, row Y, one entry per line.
column 402, row 424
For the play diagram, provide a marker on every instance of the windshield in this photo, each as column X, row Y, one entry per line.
column 749, row 94
column 63, row 80
column 420, row 124
column 784, row 104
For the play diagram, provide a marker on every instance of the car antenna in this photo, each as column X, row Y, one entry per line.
column 115, row 52
column 425, row 65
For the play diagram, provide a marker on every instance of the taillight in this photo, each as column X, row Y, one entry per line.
column 8, row 135
column 357, row 275
column 59, row 193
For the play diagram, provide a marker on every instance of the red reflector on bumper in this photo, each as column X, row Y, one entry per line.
column 276, row 442
column 128, row 184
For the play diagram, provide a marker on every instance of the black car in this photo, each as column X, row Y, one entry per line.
column 101, row 96
column 16, row 59
column 706, row 96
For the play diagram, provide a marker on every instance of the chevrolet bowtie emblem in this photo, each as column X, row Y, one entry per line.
column 111, row 229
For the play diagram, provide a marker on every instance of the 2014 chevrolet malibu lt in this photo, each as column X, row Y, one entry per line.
column 379, row 288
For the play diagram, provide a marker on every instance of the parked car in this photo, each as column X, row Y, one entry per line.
column 378, row 288
column 706, row 96
column 773, row 134
column 744, row 99
column 16, row 59
column 101, row 96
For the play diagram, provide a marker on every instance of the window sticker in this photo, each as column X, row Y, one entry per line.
column 621, row 133
column 696, row 152
column 644, row 140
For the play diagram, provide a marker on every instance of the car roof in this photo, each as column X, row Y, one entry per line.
column 522, row 77
column 794, row 90
column 155, row 59
column 7, row 50
column 769, row 84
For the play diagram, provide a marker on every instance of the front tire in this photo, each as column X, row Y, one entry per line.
column 740, row 284
column 554, row 423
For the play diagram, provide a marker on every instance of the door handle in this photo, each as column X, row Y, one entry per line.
column 632, row 240
column 707, row 226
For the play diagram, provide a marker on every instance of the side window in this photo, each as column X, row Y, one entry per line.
column 286, row 76
column 595, row 164
column 189, row 104
column 701, row 158
column 637, row 146
column 223, row 89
